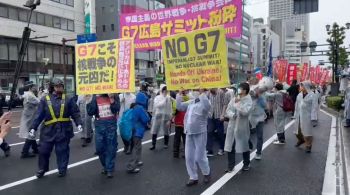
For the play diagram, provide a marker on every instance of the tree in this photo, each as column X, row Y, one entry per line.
column 336, row 40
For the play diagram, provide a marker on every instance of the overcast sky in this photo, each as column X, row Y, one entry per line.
column 330, row 11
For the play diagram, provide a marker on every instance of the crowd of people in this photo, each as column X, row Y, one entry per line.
column 204, row 120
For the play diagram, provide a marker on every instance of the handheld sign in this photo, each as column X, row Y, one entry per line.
column 196, row 59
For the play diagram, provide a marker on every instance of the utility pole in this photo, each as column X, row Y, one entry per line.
column 65, row 59
column 22, row 49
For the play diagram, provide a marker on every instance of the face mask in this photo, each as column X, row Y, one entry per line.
column 196, row 94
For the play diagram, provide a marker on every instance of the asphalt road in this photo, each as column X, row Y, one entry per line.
column 284, row 169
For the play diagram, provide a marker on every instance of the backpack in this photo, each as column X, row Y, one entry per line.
column 288, row 104
column 126, row 125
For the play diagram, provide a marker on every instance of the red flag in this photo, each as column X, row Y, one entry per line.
column 312, row 74
column 291, row 73
column 305, row 72
column 280, row 67
column 317, row 74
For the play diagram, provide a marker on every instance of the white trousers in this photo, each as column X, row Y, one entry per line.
column 195, row 153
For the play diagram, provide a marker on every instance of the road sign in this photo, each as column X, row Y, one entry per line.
column 86, row 38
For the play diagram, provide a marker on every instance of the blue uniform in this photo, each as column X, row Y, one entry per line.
column 58, row 133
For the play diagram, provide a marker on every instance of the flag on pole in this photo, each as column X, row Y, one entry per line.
column 269, row 69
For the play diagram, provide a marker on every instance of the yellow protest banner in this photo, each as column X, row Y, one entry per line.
column 105, row 67
column 197, row 59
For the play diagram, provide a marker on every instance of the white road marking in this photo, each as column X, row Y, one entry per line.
column 21, row 143
column 225, row 178
column 28, row 179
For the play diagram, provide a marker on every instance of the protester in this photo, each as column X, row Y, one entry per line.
column 162, row 113
column 87, row 133
column 293, row 90
column 140, row 120
column 257, row 118
column 105, row 108
column 55, row 110
column 306, row 110
column 5, row 125
column 238, row 131
column 126, row 99
column 4, row 145
column 195, row 124
column 279, row 114
column 179, row 123
column 30, row 107
column 216, row 121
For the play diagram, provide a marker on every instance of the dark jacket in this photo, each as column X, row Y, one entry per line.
column 92, row 108
column 293, row 92
column 60, row 130
column 140, row 115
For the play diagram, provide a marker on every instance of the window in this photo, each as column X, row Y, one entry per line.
column 3, row 51
column 70, row 3
column 13, row 51
column 33, row 18
column 48, row 52
column 64, row 24
column 63, row 1
column 40, row 19
column 56, row 22
column 23, row 15
column 31, row 52
column 70, row 25
column 13, row 14
column 3, row 11
column 56, row 55
column 112, row 27
column 48, row 20
column 104, row 28
column 111, row 9
column 40, row 52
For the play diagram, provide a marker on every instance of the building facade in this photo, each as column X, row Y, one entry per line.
column 52, row 21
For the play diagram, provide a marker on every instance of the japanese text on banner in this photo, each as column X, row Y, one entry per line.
column 147, row 28
column 105, row 67
column 196, row 60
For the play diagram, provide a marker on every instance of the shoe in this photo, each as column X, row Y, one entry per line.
column 308, row 150
column 62, row 174
column 7, row 152
column 191, row 183
column 28, row 155
column 210, row 154
column 299, row 143
column 152, row 148
column 40, row 174
column 246, row 167
column 279, row 142
column 347, row 125
column 207, row 179
column 136, row 170
column 104, row 172
column 88, row 140
column 221, row 152
column 229, row 170
column 140, row 163
column 165, row 146
column 258, row 157
column 128, row 152
column 84, row 144
column 125, row 150
column 109, row 175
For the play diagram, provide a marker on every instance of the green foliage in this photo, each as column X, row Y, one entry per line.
column 335, row 102
column 336, row 40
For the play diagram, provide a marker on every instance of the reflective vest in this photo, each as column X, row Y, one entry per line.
column 54, row 119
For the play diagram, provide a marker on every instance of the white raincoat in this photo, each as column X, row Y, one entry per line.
column 30, row 106
column 88, row 125
column 126, row 99
column 279, row 114
column 306, row 109
column 238, row 129
column 162, row 113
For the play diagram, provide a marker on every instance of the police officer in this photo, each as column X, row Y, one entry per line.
column 55, row 110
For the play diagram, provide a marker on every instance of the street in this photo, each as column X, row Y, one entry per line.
column 284, row 169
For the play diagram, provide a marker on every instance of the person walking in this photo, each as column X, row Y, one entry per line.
column 279, row 114
column 293, row 91
column 195, row 124
column 216, row 121
column 30, row 107
column 179, row 123
column 105, row 107
column 126, row 99
column 55, row 110
column 140, row 121
column 162, row 114
column 238, row 131
column 306, row 109
column 88, row 132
